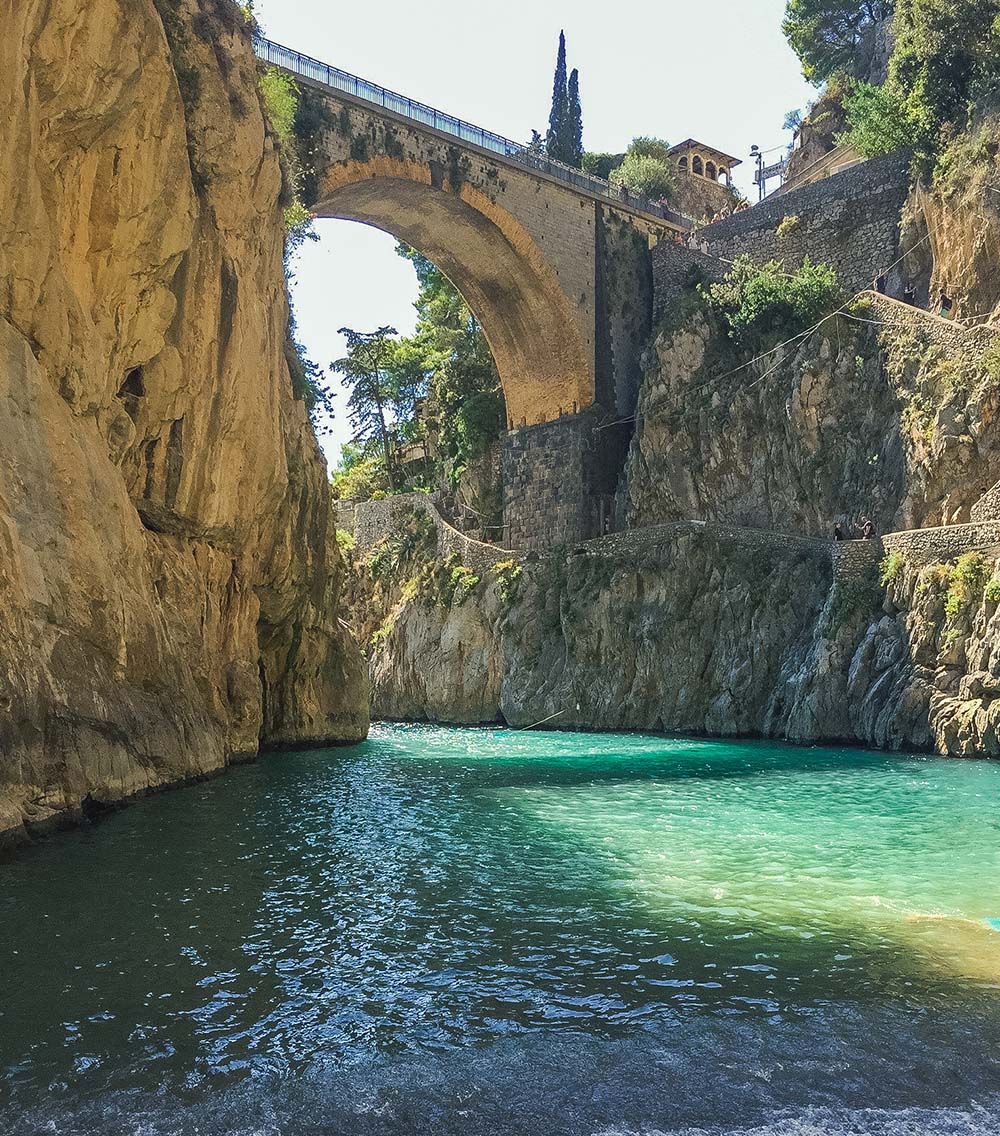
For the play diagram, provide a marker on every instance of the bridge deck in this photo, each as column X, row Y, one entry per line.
column 513, row 153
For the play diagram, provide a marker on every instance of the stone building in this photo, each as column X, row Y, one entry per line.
column 704, row 179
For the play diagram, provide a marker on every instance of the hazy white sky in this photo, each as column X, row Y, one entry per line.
column 716, row 70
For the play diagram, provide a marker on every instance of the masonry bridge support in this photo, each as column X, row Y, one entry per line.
column 555, row 267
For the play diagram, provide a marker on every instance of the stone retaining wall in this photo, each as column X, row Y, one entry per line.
column 559, row 478
column 953, row 338
column 849, row 221
column 928, row 546
column 375, row 521
column 676, row 268
column 344, row 512
column 987, row 508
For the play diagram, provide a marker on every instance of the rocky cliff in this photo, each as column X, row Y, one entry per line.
column 168, row 575
column 884, row 411
column 704, row 629
column 748, row 620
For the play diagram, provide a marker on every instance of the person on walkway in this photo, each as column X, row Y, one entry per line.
column 838, row 532
column 868, row 532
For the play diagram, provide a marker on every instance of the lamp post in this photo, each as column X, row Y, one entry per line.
column 755, row 152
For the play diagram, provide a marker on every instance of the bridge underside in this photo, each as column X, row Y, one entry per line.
column 545, row 365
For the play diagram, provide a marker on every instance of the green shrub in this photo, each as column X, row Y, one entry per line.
column 281, row 101
column 383, row 631
column 345, row 540
column 644, row 175
column 990, row 362
column 964, row 582
column 788, row 226
column 462, row 580
column 758, row 303
column 877, row 119
column 507, row 572
column 890, row 568
column 382, row 561
column 992, row 590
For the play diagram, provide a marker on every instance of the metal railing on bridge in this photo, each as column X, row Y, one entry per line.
column 298, row 64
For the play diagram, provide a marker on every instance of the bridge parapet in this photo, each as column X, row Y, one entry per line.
column 308, row 68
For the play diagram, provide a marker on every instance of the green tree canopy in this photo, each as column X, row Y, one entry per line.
column 945, row 64
column 574, row 125
column 646, row 169
column 601, row 165
column 462, row 375
column 945, row 59
column 877, row 120
column 555, row 139
column 834, row 35
column 374, row 390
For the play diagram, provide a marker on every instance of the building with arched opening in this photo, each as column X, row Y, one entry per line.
column 703, row 184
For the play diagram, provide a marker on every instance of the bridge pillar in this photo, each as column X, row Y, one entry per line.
column 560, row 479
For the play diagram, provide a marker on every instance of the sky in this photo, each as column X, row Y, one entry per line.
column 716, row 70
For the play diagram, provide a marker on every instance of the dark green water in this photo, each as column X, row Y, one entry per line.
column 458, row 931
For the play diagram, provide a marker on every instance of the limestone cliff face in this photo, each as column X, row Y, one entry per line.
column 890, row 413
column 169, row 586
column 742, row 622
column 952, row 229
column 712, row 631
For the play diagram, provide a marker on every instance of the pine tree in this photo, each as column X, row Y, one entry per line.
column 366, row 369
column 574, row 125
column 555, row 139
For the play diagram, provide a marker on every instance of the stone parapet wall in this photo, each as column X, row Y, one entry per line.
column 929, row 546
column 344, row 513
column 855, row 559
column 675, row 268
column 632, row 542
column 987, row 508
column 849, row 221
column 375, row 521
column 951, row 337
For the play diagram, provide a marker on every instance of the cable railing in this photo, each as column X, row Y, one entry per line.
column 298, row 64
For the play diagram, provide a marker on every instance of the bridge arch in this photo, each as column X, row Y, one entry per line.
column 545, row 364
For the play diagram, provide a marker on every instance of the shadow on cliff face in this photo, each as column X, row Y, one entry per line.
column 889, row 413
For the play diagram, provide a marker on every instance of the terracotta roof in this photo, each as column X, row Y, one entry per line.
column 706, row 151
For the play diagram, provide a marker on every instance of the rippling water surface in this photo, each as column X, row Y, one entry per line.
column 464, row 931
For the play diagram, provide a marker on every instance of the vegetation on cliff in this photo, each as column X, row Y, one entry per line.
column 943, row 70
column 834, row 36
column 760, row 303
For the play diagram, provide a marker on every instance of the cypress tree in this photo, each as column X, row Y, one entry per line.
column 574, row 125
column 555, row 139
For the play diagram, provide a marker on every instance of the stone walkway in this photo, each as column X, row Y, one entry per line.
column 376, row 520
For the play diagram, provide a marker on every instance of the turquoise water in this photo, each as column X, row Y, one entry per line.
column 465, row 931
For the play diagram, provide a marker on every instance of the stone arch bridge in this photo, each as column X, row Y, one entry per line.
column 554, row 263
